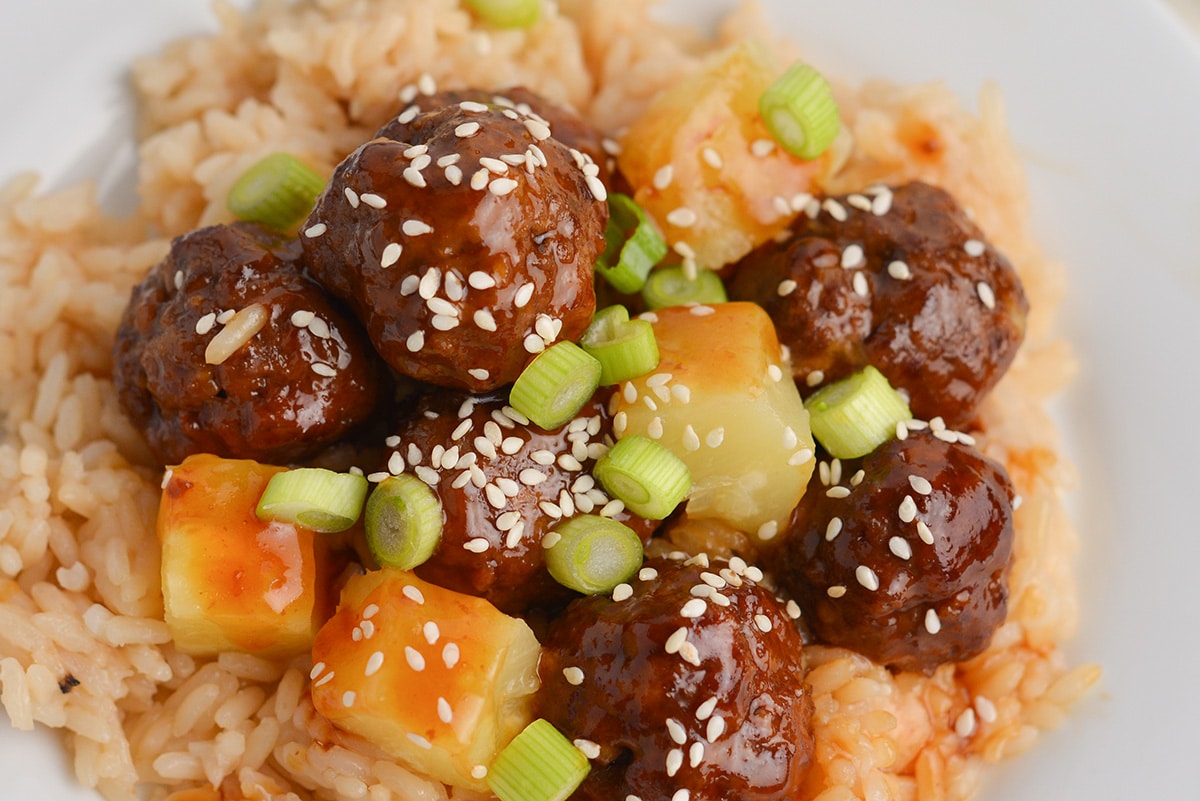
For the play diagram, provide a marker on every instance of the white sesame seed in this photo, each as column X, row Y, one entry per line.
column 663, row 177
column 484, row 320
column 481, row 280
column 351, row 197
column 414, row 658
column 676, row 640
column 374, row 663
column 419, row 741
column 427, row 474
column 768, row 530
column 674, row 761
column 693, row 608
column 715, row 437
column 534, row 344
column 836, row 591
column 861, row 287
column 466, row 130
column 573, row 675
column 596, row 187
column 985, row 709
column 900, row 547
column 933, row 624
column 588, row 748
column 814, row 378
column 682, row 217
column 920, row 485
column 390, row 255
column 837, row 492
column 523, row 295
column 476, row 545
column 323, row 370
column 415, row 228
column 502, row 186
column 510, row 488
column 413, row 594
column 924, row 533
column 986, row 295
column 792, row 609
column 348, row 698
column 833, row 529
column 853, row 257
column 761, row 148
column 414, row 177
column 445, row 713
column 317, row 669
column 206, row 323
column 763, row 623
column 313, row 231
column 866, row 577
column 835, row 209
column 899, row 270
column 908, row 509
column 860, row 202
column 800, row 457
column 538, row 129
column 715, row 728
column 973, row 247
column 712, row 158
column 691, row 440
column 450, row 654
column 676, row 731
column 964, row 724
column 786, row 287
column 373, row 200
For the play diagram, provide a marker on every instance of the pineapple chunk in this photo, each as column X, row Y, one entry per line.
column 729, row 410
column 440, row 680
column 704, row 127
column 230, row 581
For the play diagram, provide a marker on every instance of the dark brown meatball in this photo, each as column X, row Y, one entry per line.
column 694, row 682
column 503, row 483
column 567, row 126
column 914, row 290
column 467, row 249
column 903, row 555
column 304, row 379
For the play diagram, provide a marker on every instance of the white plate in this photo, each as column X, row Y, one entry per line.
column 1104, row 103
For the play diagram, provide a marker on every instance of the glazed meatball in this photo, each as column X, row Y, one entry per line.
column 228, row 347
column 503, row 483
column 566, row 126
column 691, row 681
column 903, row 555
column 465, row 250
column 914, row 290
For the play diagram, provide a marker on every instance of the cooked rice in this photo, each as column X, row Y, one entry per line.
column 83, row 646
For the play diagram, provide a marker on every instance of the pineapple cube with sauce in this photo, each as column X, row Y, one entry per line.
column 230, row 581
column 723, row 401
column 440, row 680
column 702, row 163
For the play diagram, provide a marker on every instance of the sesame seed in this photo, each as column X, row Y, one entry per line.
column 502, row 186
column 800, row 457
column 900, row 547
column 985, row 708
column 663, row 177
column 348, row 698
column 415, row 341
column 908, row 509
column 324, row 370
column 453, row 175
column 682, row 794
column 860, row 202
column 647, row 574
column 415, row 228
column 786, row 287
column 964, row 724
column 924, row 533
column 596, row 187
column 933, row 624
column 693, row 608
column 973, row 247
column 836, row 591
column 986, row 295
column 206, row 323
column 790, row 440
column 484, row 320
column 495, row 497
column 899, row 270
column 534, row 344
column 835, row 209
column 654, row 429
column 715, row 728
column 466, row 130
column 573, row 675
column 837, row 492
column 763, row 623
column 712, row 158
column 674, row 761
column 676, row 731
column 414, row 177
column 866, row 577
column 523, row 295
column 413, row 594
column 506, row 521
column 427, row 474
column 691, row 440
column 833, row 529
column 761, row 148
column 920, row 485
column 374, row 663
column 481, row 280
column 373, row 200
column 313, row 231
column 445, row 713
column 419, row 741
column 853, row 257
column 588, row 748
column 861, row 287
column 351, row 197
column 472, row 106
column 319, row 328
column 682, row 217
column 414, row 658
column 538, row 129
column 793, row 610
column 715, row 437
column 814, row 378
column 391, row 254
column 676, row 640
column 768, row 530
column 450, row 655
column 551, row 509
column 476, row 545
column 316, row 670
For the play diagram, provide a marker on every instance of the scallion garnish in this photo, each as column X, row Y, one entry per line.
column 626, row 348
column 540, row 764
column 672, row 286
column 632, row 245
column 555, row 385
column 276, row 191
column 507, row 13
column 649, row 479
column 403, row 522
column 800, row 113
column 314, row 498
column 854, row 416
column 593, row 554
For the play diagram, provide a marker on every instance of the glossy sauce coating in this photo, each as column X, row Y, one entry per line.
column 675, row 691
column 503, row 483
column 465, row 250
column 906, row 562
column 915, row 291
column 290, row 390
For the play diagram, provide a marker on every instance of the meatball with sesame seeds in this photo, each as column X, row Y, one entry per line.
column 903, row 555
column 900, row 279
column 503, row 483
column 462, row 262
column 228, row 347
column 692, row 684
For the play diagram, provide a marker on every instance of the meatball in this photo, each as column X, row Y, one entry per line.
column 567, row 126
column 913, row 290
column 903, row 555
column 465, row 250
column 691, row 681
column 503, row 483
column 228, row 347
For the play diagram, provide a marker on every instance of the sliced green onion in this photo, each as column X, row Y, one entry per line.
column 555, row 385
column 643, row 474
column 800, row 113
column 633, row 245
column 403, row 522
column 593, row 554
column 626, row 348
column 507, row 13
column 277, row 191
column 314, row 498
column 540, row 764
column 854, row 416
column 671, row 286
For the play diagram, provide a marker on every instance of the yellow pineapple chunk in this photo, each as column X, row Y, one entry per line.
column 702, row 163
column 230, row 581
column 440, row 680
column 723, row 401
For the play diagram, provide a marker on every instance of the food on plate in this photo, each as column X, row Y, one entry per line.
column 619, row 413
